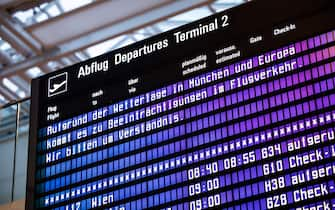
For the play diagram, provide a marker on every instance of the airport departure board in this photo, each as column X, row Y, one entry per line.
column 235, row 111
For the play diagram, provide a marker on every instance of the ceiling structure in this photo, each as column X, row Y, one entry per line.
column 41, row 36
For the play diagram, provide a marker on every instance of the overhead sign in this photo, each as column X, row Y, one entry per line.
column 234, row 111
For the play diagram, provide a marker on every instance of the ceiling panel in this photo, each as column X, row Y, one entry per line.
column 7, row 2
column 89, row 18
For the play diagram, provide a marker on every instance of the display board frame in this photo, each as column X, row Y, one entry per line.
column 241, row 26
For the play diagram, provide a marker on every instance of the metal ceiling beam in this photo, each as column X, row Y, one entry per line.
column 5, row 59
column 19, row 5
column 89, row 18
column 25, row 77
column 19, row 32
column 123, row 27
column 9, row 96
column 45, row 68
column 59, row 6
column 15, row 42
column 20, row 83
column 120, row 43
column 29, row 63
column 83, row 54
column 7, row 3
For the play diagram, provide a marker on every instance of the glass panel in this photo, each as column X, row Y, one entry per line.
column 21, row 151
column 7, row 139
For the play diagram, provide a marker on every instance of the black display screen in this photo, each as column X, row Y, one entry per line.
column 234, row 111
